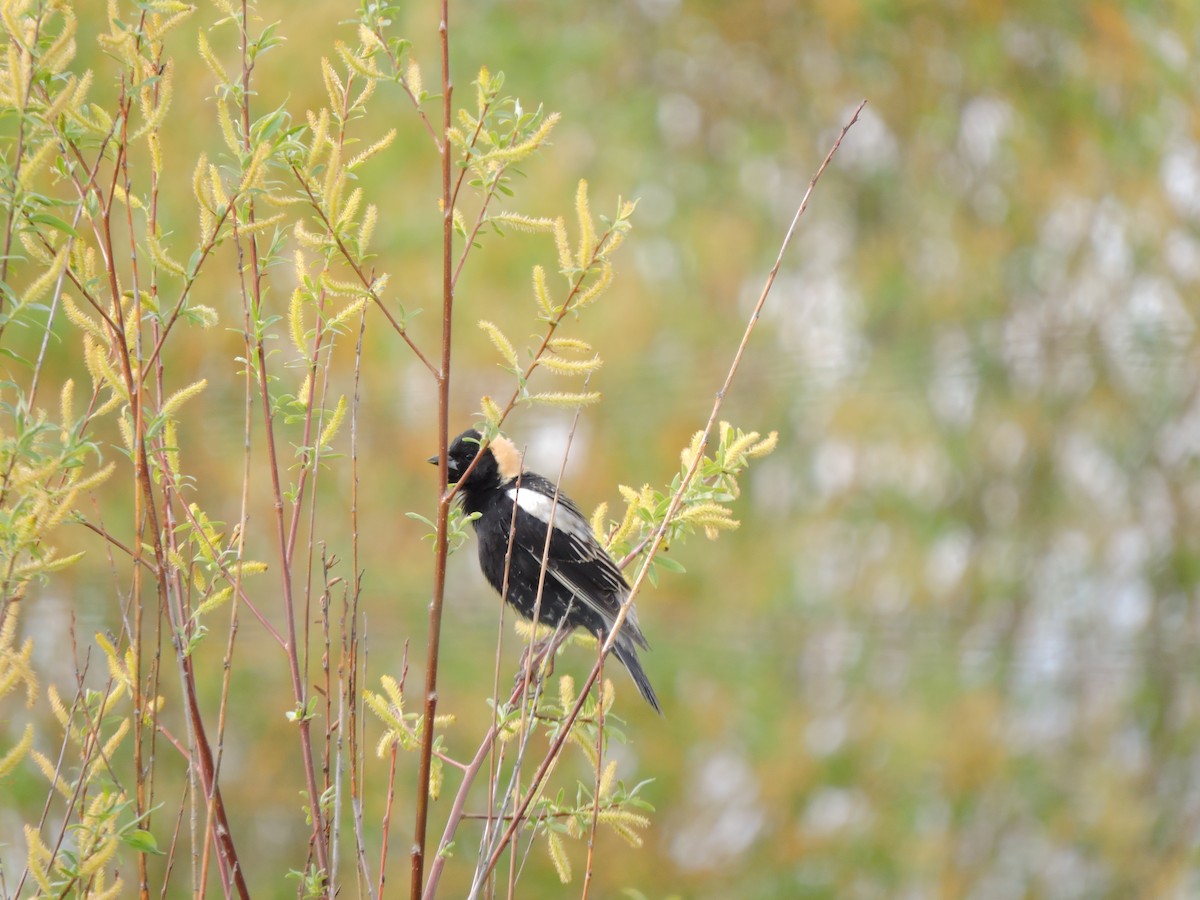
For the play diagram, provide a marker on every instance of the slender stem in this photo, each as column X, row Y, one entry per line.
column 460, row 799
column 551, row 327
column 299, row 691
column 367, row 280
column 243, row 518
column 289, row 606
column 443, row 511
column 387, row 819
column 391, row 794
column 138, row 401
column 659, row 535
column 19, row 151
column 591, row 843
column 350, row 681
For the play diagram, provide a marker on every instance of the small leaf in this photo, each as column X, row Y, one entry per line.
column 53, row 222
column 142, row 841
column 671, row 565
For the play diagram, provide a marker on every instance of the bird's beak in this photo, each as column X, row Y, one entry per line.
column 433, row 460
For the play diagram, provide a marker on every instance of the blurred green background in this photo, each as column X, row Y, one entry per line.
column 953, row 650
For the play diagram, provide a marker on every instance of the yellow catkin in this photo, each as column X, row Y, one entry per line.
column 329, row 432
column 566, row 399
column 586, row 233
column 491, row 411
column 10, row 760
column 501, row 343
column 608, row 779
column 412, row 76
column 599, row 521
column 367, row 228
column 562, row 245
column 561, row 366
column 378, row 147
column 558, row 855
column 182, row 396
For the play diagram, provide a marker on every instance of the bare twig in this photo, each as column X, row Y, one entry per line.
column 350, row 680
column 535, row 360
column 458, row 807
column 433, row 645
column 591, row 842
column 557, row 744
column 253, row 268
column 391, row 789
column 365, row 278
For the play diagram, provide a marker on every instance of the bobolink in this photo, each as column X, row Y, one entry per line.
column 583, row 586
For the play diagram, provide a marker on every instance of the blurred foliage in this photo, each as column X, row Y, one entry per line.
column 952, row 649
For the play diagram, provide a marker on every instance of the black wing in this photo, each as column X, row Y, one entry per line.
column 575, row 560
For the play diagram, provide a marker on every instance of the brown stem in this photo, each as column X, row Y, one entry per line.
column 387, row 819
column 18, row 152
column 149, row 522
column 443, row 511
column 243, row 518
column 350, row 681
column 591, row 844
column 367, row 281
column 460, row 799
column 289, row 607
column 559, row 741
column 137, row 399
column 537, row 355
column 293, row 652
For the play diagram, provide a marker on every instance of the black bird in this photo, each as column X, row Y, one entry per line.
column 583, row 586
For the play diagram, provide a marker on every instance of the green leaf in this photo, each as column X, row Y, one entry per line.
column 671, row 565
column 142, row 841
column 53, row 222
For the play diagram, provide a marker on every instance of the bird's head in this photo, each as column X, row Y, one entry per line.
column 499, row 463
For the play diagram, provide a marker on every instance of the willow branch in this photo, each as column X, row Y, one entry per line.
column 676, row 500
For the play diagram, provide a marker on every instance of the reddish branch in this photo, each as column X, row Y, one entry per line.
column 443, row 510
column 557, row 744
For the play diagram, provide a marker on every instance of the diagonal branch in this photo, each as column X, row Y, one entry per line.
column 659, row 535
column 368, row 282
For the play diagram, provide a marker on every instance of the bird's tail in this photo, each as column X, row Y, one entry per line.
column 626, row 652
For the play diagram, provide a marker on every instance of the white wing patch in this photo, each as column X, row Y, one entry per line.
column 542, row 507
column 572, row 524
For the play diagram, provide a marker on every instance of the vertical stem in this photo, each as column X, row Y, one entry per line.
column 14, row 208
column 443, row 383
column 387, row 820
column 299, row 689
column 591, row 843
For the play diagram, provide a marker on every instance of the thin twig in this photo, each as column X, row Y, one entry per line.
column 391, row 791
column 535, row 360
column 255, row 271
column 433, row 645
column 387, row 818
column 367, row 280
column 460, row 799
column 350, row 680
column 559, row 741
column 591, row 843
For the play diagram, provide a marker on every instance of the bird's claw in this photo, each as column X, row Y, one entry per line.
column 537, row 661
